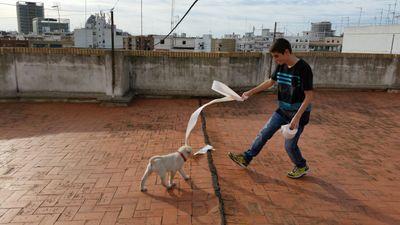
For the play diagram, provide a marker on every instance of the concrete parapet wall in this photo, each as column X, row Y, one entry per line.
column 349, row 70
column 187, row 73
column 87, row 73
column 61, row 73
column 163, row 75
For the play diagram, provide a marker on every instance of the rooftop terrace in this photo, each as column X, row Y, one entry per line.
column 63, row 163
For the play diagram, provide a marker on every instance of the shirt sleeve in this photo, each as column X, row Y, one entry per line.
column 274, row 74
column 307, row 78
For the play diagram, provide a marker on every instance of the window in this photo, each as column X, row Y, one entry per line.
column 162, row 42
column 184, row 42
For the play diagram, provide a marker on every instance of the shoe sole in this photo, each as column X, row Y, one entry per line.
column 241, row 165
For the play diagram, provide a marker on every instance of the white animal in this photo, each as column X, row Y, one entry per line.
column 165, row 164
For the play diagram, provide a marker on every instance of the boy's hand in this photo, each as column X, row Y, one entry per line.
column 246, row 95
column 294, row 123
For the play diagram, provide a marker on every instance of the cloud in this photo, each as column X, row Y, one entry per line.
column 217, row 16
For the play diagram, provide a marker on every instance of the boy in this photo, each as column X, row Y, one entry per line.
column 295, row 85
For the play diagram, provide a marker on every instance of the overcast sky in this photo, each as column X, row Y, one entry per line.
column 217, row 17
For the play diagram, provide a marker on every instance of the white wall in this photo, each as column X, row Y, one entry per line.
column 372, row 39
column 184, row 42
column 167, row 43
column 299, row 43
column 105, row 34
column 83, row 38
column 205, row 41
column 118, row 40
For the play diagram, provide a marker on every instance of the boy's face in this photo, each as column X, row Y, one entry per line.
column 281, row 58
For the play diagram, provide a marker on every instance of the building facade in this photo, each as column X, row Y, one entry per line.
column 183, row 43
column 174, row 43
column 223, row 45
column 50, row 26
column 13, row 43
column 257, row 43
column 299, row 43
column 319, row 31
column 26, row 12
column 161, row 44
column 129, row 42
column 203, row 44
column 143, row 43
column 97, row 34
column 329, row 44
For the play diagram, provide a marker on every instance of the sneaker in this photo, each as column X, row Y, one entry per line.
column 298, row 172
column 238, row 159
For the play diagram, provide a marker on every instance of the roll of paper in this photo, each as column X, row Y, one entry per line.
column 287, row 132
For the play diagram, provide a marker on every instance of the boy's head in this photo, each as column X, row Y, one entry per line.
column 281, row 50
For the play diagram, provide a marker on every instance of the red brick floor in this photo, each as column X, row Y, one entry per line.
column 352, row 145
column 82, row 164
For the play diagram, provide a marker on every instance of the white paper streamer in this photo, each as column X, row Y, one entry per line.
column 221, row 88
column 204, row 150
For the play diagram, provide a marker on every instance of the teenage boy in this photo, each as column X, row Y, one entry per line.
column 295, row 93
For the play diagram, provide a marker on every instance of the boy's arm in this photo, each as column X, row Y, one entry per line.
column 261, row 87
column 309, row 95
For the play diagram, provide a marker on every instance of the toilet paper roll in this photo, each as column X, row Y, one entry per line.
column 287, row 132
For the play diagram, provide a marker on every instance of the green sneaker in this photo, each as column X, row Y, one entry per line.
column 238, row 159
column 298, row 172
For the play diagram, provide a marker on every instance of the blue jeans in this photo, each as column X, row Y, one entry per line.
column 273, row 125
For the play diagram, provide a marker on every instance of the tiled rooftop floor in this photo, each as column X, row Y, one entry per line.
column 82, row 163
column 352, row 145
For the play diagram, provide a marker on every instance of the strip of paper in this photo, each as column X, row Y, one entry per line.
column 221, row 88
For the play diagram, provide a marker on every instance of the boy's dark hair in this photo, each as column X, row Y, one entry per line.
column 280, row 45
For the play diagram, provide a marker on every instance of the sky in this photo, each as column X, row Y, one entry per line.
column 216, row 17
